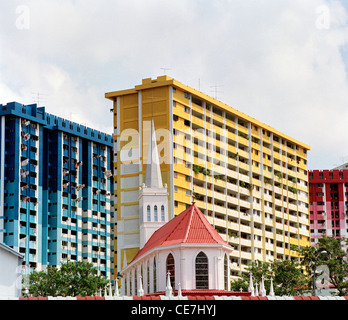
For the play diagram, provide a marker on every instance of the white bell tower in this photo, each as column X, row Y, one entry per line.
column 153, row 196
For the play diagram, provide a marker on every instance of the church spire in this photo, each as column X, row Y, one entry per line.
column 153, row 177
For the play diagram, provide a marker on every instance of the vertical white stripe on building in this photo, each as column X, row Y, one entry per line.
column 140, row 136
column 171, row 152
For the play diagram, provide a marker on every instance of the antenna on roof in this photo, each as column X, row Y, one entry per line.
column 216, row 90
column 37, row 97
column 165, row 69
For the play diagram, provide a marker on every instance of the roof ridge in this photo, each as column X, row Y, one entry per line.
column 174, row 229
column 189, row 223
column 208, row 225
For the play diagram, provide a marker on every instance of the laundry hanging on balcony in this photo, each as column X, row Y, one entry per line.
column 77, row 200
column 108, row 173
column 25, row 122
column 78, row 164
column 24, row 162
column 24, row 187
column 80, row 187
column 24, row 173
column 98, row 191
column 65, row 172
column 25, row 136
column 24, row 147
column 66, row 184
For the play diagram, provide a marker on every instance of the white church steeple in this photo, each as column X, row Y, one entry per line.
column 153, row 177
column 153, row 196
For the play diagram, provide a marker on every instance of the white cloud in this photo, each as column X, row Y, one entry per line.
column 274, row 60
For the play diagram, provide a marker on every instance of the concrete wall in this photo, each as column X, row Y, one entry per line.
column 10, row 275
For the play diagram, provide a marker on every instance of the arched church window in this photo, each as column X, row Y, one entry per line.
column 136, row 281
column 202, row 272
column 141, row 275
column 225, row 273
column 154, row 275
column 162, row 213
column 148, row 213
column 170, row 267
column 148, row 277
column 155, row 214
column 131, row 284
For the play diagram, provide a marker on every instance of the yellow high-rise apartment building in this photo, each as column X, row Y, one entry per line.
column 249, row 179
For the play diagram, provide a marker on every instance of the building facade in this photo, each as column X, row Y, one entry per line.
column 247, row 178
column 56, row 199
column 185, row 253
column 328, row 190
column 10, row 272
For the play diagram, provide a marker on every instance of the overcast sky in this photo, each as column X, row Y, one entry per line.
column 283, row 62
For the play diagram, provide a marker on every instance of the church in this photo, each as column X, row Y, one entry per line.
column 185, row 254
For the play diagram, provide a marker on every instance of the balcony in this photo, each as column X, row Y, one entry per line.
column 244, row 204
column 219, row 222
column 219, row 209
column 220, row 196
column 245, row 255
column 245, row 229
column 243, row 166
column 245, row 242
column 233, row 225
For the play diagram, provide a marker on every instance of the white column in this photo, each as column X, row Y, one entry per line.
column 171, row 183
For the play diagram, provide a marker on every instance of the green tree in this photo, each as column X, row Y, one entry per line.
column 257, row 269
column 328, row 252
column 71, row 279
column 286, row 274
column 288, row 278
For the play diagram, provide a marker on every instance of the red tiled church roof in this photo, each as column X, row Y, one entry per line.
column 190, row 226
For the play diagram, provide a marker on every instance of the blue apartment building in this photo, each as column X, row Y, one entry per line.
column 56, row 189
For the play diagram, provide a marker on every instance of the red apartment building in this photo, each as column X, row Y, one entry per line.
column 328, row 199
